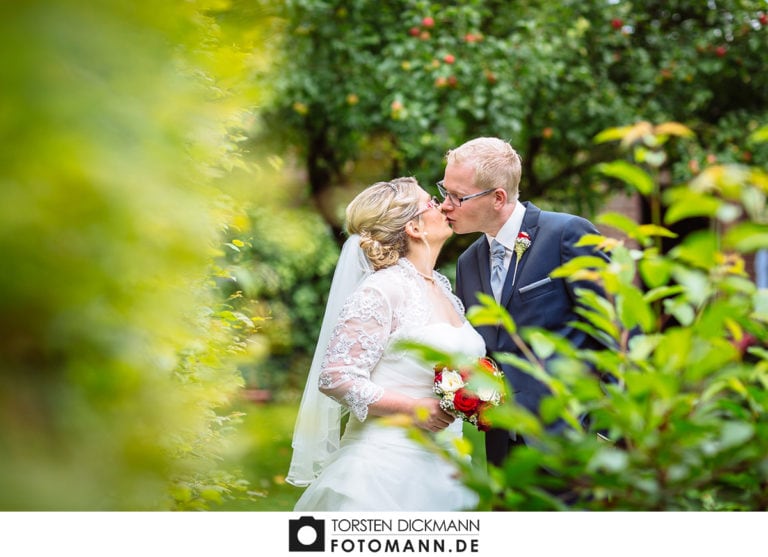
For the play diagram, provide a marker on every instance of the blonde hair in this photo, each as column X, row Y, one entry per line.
column 496, row 164
column 379, row 215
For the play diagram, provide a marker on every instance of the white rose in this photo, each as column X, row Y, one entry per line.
column 486, row 393
column 451, row 381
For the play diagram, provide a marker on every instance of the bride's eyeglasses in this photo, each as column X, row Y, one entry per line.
column 433, row 203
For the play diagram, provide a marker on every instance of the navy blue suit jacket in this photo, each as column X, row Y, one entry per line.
column 535, row 299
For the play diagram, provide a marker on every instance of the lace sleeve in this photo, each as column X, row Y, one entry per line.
column 355, row 348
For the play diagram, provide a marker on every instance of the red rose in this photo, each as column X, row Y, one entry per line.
column 465, row 402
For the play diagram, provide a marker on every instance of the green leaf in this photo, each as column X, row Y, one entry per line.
column 634, row 310
column 663, row 292
column 699, row 249
column 516, row 361
column 583, row 262
column 600, row 322
column 551, row 409
column 594, row 332
column 642, row 346
column 629, row 174
column 533, row 369
column 514, row 417
column 655, row 271
column 681, row 311
column 590, row 240
column 692, row 205
column 618, row 221
column 760, row 135
column 622, row 267
column 490, row 313
column 547, row 342
column 425, row 352
column 645, row 230
column 673, row 128
column 746, row 237
column 542, row 346
column 612, row 134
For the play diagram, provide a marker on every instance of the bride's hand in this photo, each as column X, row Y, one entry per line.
column 430, row 416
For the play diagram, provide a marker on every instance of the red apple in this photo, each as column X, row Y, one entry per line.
column 449, row 58
column 720, row 51
column 763, row 19
column 428, row 22
column 616, row 23
column 452, row 81
column 414, row 31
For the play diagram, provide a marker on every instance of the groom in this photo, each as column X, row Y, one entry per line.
column 480, row 192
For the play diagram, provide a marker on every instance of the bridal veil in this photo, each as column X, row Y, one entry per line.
column 318, row 425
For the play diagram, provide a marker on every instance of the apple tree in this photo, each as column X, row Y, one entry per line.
column 369, row 90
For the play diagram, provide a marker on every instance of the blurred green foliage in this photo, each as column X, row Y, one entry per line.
column 120, row 125
column 282, row 265
column 683, row 426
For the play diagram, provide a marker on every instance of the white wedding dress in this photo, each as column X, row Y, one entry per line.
column 377, row 467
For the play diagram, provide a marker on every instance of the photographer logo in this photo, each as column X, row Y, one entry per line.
column 306, row 534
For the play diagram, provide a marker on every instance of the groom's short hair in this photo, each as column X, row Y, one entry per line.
column 496, row 163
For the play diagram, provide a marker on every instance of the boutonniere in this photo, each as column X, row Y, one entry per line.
column 522, row 243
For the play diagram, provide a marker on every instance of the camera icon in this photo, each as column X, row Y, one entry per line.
column 306, row 534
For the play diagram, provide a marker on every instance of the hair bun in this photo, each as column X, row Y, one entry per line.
column 379, row 255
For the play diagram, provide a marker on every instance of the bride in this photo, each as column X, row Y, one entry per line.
column 384, row 290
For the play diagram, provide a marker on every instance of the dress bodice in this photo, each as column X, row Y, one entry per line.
column 406, row 373
column 363, row 358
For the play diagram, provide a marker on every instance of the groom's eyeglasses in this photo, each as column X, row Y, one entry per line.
column 433, row 203
column 457, row 201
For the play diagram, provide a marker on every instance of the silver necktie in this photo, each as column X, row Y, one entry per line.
column 498, row 252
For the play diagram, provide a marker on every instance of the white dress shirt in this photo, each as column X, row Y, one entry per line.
column 508, row 234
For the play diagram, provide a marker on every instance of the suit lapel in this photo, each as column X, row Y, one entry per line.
column 531, row 226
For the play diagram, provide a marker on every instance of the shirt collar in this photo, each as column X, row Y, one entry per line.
column 509, row 231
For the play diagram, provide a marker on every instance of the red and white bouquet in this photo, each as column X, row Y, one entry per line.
column 467, row 393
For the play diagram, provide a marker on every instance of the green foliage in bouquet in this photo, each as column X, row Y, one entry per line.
column 683, row 424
